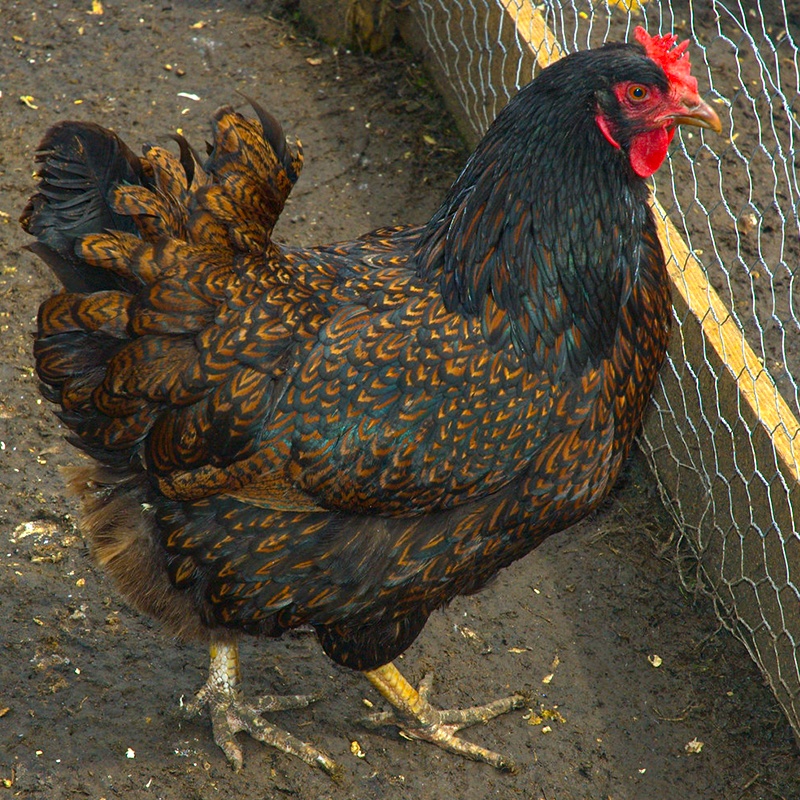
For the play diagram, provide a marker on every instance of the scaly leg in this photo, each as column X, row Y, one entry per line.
column 418, row 719
column 230, row 714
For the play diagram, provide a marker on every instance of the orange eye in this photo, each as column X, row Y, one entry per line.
column 637, row 92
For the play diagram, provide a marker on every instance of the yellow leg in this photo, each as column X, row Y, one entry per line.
column 225, row 669
column 418, row 719
column 230, row 713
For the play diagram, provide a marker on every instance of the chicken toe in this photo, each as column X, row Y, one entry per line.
column 231, row 714
column 416, row 718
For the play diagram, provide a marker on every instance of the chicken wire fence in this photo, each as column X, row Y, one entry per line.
column 722, row 430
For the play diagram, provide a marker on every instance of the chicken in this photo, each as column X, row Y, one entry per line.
column 348, row 436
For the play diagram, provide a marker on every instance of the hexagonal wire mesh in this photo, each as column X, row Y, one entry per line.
column 722, row 434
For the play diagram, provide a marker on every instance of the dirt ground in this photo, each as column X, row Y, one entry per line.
column 89, row 690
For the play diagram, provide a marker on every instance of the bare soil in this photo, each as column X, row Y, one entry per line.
column 89, row 690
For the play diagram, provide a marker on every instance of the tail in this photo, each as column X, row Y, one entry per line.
column 90, row 182
column 81, row 162
column 148, row 249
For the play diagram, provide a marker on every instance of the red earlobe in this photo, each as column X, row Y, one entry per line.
column 602, row 123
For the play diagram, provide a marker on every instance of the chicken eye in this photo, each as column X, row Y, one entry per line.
column 637, row 93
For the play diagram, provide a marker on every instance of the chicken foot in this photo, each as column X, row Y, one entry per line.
column 230, row 713
column 418, row 719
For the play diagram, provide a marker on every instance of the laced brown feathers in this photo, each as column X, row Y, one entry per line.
column 348, row 436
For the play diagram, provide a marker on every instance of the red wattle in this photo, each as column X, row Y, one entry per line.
column 648, row 150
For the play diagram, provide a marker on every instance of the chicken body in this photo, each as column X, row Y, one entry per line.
column 350, row 436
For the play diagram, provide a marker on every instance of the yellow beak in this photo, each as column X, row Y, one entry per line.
column 701, row 116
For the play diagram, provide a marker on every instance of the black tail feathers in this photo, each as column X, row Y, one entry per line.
column 80, row 164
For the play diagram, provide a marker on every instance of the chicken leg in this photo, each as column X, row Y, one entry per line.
column 418, row 719
column 230, row 713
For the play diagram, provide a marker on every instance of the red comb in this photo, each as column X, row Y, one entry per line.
column 672, row 58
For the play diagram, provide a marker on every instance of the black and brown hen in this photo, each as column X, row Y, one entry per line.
column 347, row 437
